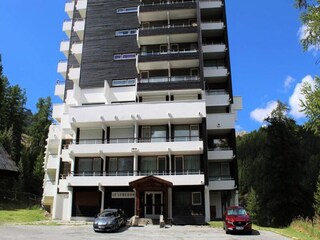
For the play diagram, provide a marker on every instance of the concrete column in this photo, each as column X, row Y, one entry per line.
column 70, row 191
column 102, row 190
column 104, row 166
column 169, row 203
column 207, row 203
column 170, row 168
column 236, row 198
column 136, row 131
column 169, row 128
column 135, row 164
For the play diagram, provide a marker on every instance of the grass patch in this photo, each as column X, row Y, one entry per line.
column 17, row 213
column 299, row 229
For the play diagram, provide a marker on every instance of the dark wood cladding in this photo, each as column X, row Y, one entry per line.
column 169, row 86
column 100, row 43
column 164, row 7
column 168, row 57
column 167, row 31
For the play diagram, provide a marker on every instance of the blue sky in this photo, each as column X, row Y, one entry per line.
column 267, row 60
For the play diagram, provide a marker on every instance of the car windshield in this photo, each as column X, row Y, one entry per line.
column 108, row 214
column 237, row 212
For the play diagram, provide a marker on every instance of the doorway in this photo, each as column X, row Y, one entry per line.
column 153, row 204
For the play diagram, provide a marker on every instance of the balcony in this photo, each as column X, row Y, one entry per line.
column 220, row 121
column 215, row 74
column 220, row 154
column 49, row 189
column 157, row 10
column 57, row 111
column 82, row 7
column 59, row 90
column 67, row 27
column 177, row 180
column 168, row 79
column 54, row 131
column 210, row 4
column 185, row 58
column 174, row 33
column 218, row 97
column 213, row 50
column 113, row 114
column 222, row 184
column 62, row 68
column 212, row 28
column 53, row 162
column 64, row 47
column 76, row 50
column 78, row 27
column 74, row 74
column 69, row 8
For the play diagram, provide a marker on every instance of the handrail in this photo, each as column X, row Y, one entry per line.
column 167, row 2
column 152, row 53
column 169, row 79
column 169, row 26
column 133, row 173
column 137, row 140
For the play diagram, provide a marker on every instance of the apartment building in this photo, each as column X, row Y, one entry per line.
column 148, row 114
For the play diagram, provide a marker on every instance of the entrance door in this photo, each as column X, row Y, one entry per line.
column 153, row 204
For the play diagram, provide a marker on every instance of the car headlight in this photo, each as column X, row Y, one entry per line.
column 230, row 222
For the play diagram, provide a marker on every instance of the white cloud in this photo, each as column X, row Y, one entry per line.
column 259, row 114
column 288, row 82
column 294, row 100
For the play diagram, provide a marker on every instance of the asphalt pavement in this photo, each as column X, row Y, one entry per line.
column 149, row 232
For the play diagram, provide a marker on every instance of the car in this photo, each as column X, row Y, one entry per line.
column 236, row 219
column 109, row 220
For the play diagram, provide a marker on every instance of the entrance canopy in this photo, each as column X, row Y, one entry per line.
column 150, row 183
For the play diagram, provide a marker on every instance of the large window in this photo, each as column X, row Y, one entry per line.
column 88, row 167
column 127, row 10
column 121, row 166
column 126, row 32
column 154, row 133
column 219, row 171
column 187, row 164
column 186, row 133
column 153, row 165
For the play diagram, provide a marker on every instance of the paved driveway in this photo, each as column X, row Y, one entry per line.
column 85, row 232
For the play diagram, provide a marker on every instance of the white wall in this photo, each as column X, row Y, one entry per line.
column 62, row 206
column 215, row 200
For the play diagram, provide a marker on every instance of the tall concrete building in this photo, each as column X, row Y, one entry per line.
column 148, row 114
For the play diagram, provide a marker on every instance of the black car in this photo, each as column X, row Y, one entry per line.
column 109, row 220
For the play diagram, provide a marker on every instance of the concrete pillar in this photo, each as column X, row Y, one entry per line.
column 236, row 198
column 102, row 190
column 135, row 164
column 136, row 131
column 207, row 203
column 169, row 203
column 70, row 191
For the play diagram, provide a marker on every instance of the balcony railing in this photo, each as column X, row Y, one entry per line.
column 134, row 173
column 168, row 79
column 220, row 178
column 137, row 140
column 220, row 149
column 169, row 26
column 167, row 2
column 217, row 92
column 152, row 53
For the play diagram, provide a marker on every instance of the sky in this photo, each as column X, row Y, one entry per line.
column 267, row 60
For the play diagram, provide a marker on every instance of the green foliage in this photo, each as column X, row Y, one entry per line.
column 316, row 204
column 311, row 106
column 281, row 163
column 310, row 17
column 253, row 205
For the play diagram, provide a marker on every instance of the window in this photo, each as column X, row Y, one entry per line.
column 219, row 171
column 127, row 10
column 186, row 133
column 125, row 56
column 154, row 133
column 196, row 198
column 187, row 164
column 121, row 166
column 123, row 82
column 153, row 165
column 126, row 32
column 88, row 166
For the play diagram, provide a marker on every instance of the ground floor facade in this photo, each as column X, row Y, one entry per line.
column 148, row 197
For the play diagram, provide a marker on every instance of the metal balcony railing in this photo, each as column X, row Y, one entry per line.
column 152, row 53
column 166, row 2
column 169, row 79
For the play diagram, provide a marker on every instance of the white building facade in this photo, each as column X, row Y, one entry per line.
column 148, row 115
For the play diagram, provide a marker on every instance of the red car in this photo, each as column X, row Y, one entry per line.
column 236, row 219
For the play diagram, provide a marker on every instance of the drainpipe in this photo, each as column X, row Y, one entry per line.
column 101, row 189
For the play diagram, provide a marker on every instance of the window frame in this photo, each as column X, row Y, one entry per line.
column 193, row 200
